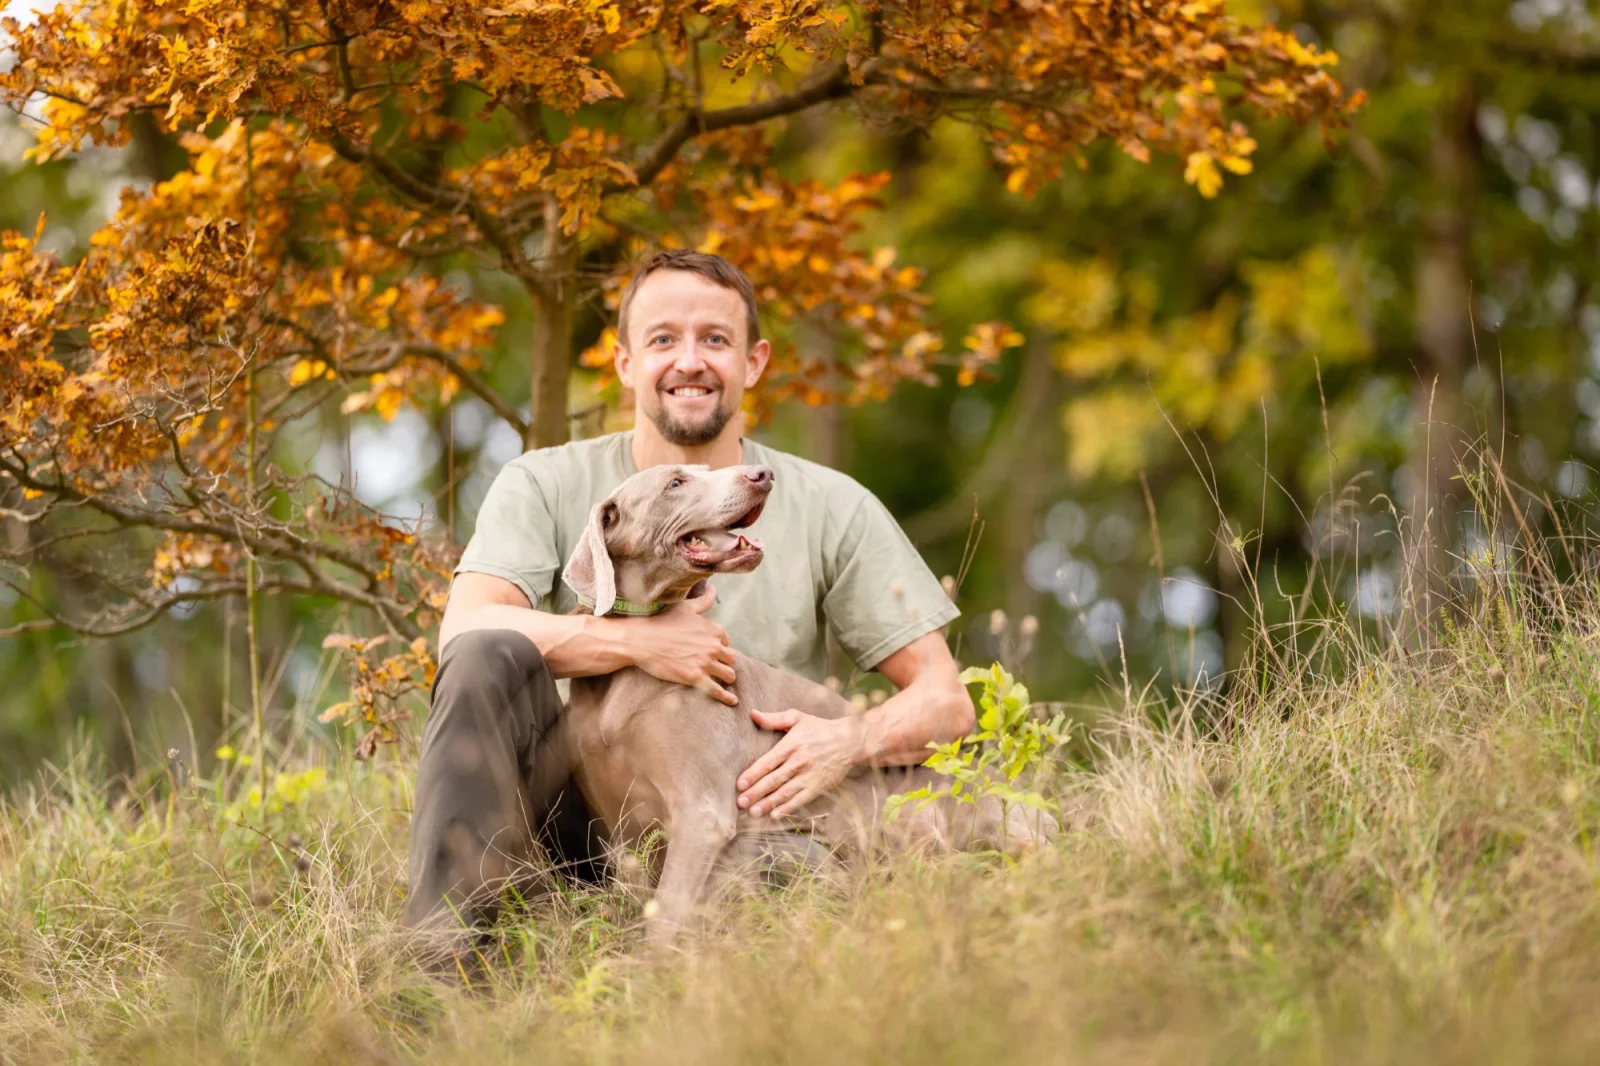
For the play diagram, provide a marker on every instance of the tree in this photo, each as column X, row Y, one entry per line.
column 1385, row 311
column 344, row 158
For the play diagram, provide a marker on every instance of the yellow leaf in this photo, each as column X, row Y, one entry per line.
column 306, row 369
column 388, row 403
column 1308, row 57
column 1201, row 172
column 338, row 710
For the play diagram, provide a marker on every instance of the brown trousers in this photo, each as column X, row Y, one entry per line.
column 495, row 779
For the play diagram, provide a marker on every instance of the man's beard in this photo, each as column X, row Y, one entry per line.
column 690, row 434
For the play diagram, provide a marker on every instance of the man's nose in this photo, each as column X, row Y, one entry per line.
column 689, row 358
column 761, row 475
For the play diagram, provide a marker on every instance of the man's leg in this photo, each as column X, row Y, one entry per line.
column 494, row 775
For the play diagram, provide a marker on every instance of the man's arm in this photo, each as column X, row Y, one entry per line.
column 931, row 706
column 677, row 645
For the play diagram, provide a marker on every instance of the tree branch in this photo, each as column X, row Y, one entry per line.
column 408, row 184
column 832, row 83
column 154, row 610
column 128, row 517
column 474, row 384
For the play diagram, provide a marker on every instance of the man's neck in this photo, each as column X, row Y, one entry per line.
column 650, row 448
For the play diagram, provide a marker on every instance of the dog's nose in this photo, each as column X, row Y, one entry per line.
column 761, row 475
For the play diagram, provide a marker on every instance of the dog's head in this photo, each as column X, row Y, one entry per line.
column 665, row 530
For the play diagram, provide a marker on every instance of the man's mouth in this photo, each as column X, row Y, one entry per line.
column 709, row 549
column 689, row 392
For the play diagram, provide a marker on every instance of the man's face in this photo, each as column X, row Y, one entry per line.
column 688, row 356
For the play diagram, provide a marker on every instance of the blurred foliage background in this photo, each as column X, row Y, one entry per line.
column 1276, row 371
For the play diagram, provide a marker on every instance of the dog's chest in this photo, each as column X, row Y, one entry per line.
column 600, row 709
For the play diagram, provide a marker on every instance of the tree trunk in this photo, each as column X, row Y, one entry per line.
column 554, row 298
column 1441, row 433
column 1030, row 487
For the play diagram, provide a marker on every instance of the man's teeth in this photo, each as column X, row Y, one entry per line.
column 690, row 390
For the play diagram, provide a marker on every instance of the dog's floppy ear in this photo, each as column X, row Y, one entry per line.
column 589, row 572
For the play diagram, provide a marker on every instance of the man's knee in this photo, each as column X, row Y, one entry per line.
column 492, row 675
column 490, row 658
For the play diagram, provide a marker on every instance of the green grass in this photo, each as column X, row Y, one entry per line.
column 1394, row 862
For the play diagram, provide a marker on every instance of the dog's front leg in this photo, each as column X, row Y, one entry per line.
column 695, row 840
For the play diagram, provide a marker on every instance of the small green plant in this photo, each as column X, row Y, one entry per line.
column 1008, row 753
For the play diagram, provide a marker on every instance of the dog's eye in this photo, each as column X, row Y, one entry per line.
column 675, row 482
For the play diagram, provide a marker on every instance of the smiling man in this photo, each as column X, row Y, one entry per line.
column 494, row 774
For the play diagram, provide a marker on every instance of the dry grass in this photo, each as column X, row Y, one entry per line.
column 1394, row 862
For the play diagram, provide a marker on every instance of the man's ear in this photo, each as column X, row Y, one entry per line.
column 622, row 359
column 589, row 572
column 755, row 364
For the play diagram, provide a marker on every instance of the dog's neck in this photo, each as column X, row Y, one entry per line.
column 623, row 607
column 644, row 589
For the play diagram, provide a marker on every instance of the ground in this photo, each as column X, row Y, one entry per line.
column 1375, row 855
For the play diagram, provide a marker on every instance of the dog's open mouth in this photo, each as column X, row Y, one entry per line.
column 724, row 548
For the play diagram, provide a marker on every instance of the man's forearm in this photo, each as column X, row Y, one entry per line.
column 573, row 645
column 898, row 732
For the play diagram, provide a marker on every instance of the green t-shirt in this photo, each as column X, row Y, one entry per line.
column 834, row 557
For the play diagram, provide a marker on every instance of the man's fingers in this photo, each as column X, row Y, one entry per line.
column 777, row 797
column 753, row 796
column 759, row 770
column 805, row 796
column 721, row 671
column 783, row 720
column 717, row 692
column 790, row 798
column 722, row 634
column 726, row 654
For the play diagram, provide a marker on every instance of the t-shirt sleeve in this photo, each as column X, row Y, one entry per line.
column 515, row 537
column 881, row 595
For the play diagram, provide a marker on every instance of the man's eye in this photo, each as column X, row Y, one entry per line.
column 717, row 338
column 659, row 338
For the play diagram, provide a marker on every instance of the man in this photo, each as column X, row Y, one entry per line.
column 494, row 774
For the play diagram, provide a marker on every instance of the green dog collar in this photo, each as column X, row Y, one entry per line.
column 628, row 607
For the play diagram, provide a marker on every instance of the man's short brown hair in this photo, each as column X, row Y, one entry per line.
column 713, row 268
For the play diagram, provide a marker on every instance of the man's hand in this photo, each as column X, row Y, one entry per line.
column 680, row 646
column 812, row 758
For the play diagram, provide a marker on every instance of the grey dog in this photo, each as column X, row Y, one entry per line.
column 650, row 754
